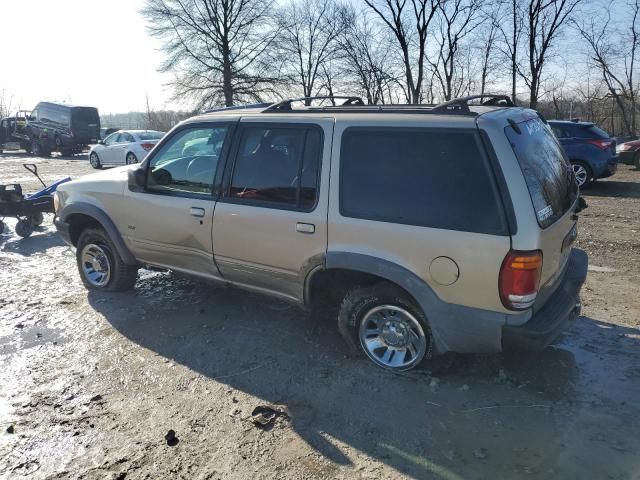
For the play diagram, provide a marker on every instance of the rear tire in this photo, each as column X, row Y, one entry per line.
column 386, row 325
column 94, row 160
column 131, row 159
column 582, row 172
column 99, row 264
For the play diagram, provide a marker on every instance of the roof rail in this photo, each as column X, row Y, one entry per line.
column 285, row 105
column 461, row 105
column 238, row 107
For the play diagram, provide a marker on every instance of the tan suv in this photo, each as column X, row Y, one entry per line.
column 435, row 229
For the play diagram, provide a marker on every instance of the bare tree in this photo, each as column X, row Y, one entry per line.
column 615, row 57
column 409, row 21
column 367, row 57
column 545, row 20
column 215, row 48
column 488, row 38
column 7, row 106
column 308, row 30
column 457, row 19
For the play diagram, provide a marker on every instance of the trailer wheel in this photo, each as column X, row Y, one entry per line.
column 24, row 228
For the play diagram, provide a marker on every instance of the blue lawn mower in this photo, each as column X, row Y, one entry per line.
column 29, row 210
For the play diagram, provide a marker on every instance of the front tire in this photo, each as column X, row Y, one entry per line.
column 99, row 264
column 94, row 160
column 583, row 174
column 387, row 326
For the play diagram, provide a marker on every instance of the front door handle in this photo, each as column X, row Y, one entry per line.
column 197, row 212
column 305, row 227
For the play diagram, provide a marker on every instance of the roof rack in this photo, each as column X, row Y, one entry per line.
column 354, row 104
column 238, row 107
column 461, row 105
column 285, row 105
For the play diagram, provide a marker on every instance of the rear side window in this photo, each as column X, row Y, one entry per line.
column 547, row 172
column 425, row 177
column 277, row 167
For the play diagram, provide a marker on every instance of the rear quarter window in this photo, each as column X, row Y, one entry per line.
column 426, row 177
column 547, row 172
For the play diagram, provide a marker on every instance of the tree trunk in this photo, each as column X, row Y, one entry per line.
column 227, row 86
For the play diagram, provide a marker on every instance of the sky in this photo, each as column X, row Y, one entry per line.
column 86, row 52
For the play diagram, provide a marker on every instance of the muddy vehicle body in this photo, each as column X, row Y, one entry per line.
column 432, row 229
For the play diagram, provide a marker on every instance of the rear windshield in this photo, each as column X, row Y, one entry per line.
column 150, row 135
column 547, row 172
column 591, row 132
column 85, row 115
column 426, row 177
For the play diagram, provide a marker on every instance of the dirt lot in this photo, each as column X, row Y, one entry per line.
column 91, row 383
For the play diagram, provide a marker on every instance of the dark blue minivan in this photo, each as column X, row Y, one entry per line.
column 590, row 150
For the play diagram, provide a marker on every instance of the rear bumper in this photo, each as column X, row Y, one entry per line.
column 608, row 170
column 553, row 318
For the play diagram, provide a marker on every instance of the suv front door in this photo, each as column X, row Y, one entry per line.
column 270, row 223
column 169, row 221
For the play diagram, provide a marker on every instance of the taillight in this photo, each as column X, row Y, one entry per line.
column 148, row 146
column 600, row 143
column 520, row 279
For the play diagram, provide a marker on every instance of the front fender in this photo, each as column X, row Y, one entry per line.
column 103, row 219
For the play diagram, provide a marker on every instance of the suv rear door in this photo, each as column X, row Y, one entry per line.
column 270, row 222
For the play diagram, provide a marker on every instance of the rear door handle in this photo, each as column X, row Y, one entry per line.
column 196, row 212
column 305, row 227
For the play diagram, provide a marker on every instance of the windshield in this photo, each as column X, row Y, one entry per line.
column 150, row 135
column 547, row 172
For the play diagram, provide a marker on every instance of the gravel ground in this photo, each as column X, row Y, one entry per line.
column 91, row 383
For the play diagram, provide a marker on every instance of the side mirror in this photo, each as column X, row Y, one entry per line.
column 137, row 179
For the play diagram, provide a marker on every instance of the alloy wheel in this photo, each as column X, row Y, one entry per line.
column 392, row 337
column 580, row 173
column 96, row 266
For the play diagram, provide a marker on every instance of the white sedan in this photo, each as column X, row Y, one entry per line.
column 124, row 147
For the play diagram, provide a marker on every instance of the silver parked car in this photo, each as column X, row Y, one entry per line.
column 434, row 229
column 124, row 147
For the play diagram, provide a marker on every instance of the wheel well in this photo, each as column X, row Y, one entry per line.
column 332, row 284
column 79, row 222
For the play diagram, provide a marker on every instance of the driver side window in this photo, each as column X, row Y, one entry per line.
column 187, row 163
